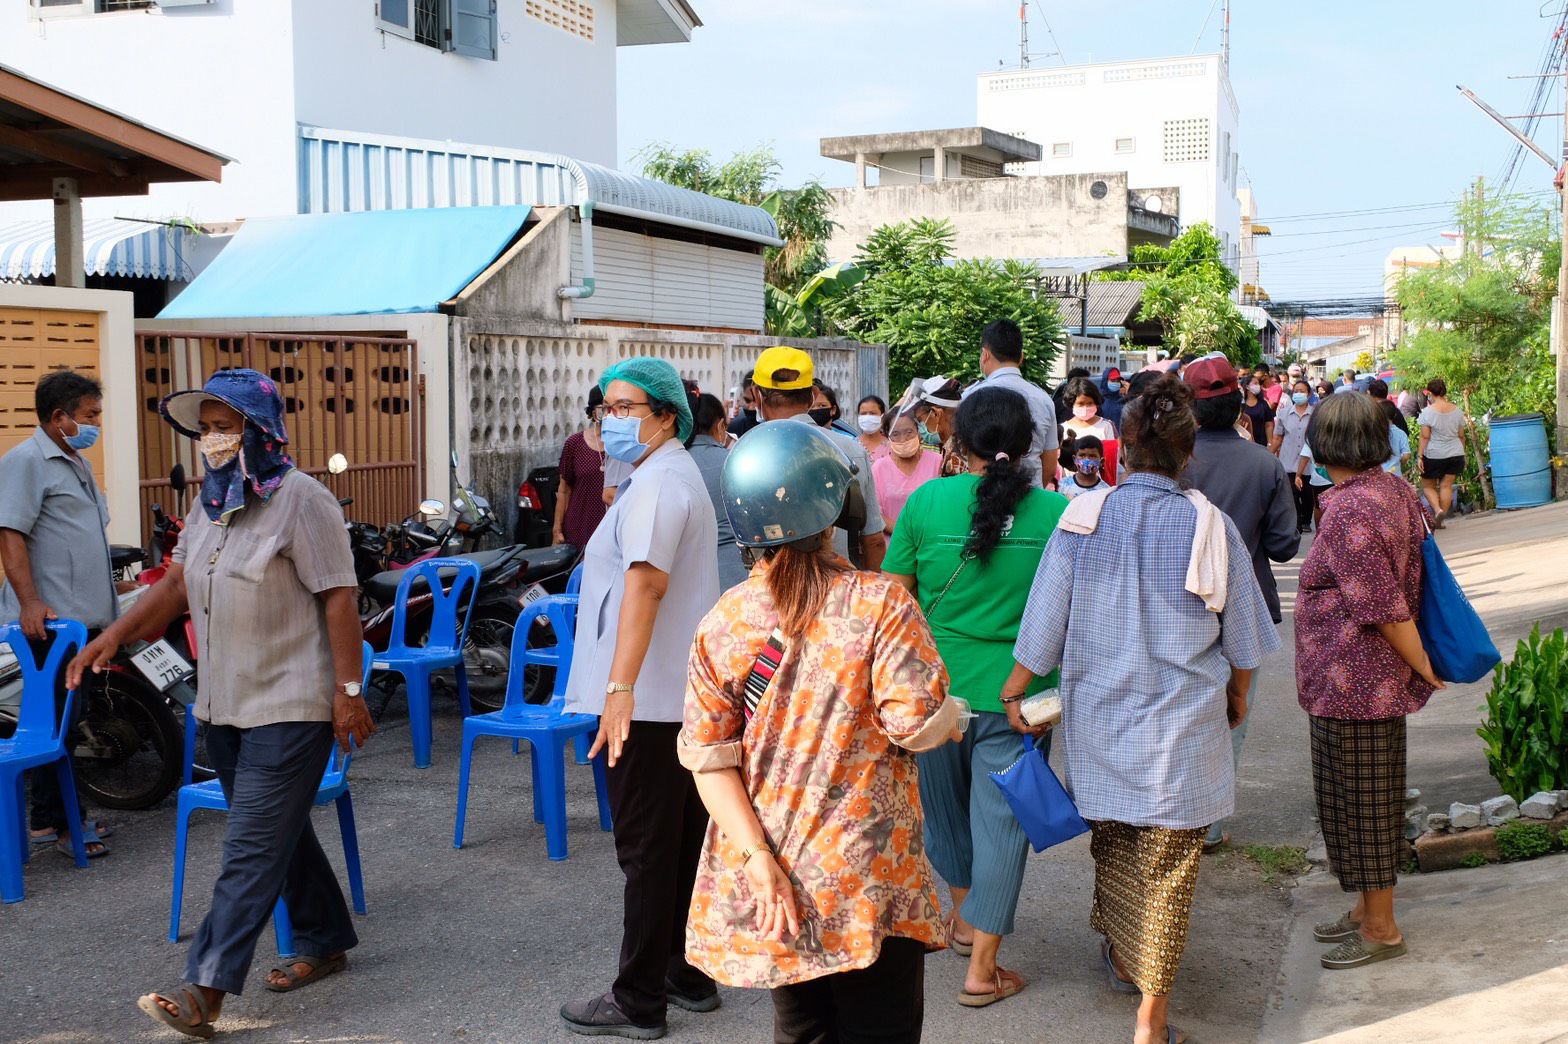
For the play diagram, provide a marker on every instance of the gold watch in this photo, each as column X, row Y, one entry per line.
column 615, row 687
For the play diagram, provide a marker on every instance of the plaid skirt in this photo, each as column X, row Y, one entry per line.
column 1144, row 879
column 1358, row 775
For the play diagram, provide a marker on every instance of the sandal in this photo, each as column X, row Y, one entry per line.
column 1007, row 984
column 193, row 1002
column 89, row 826
column 1336, row 931
column 320, row 968
column 963, row 949
column 90, row 836
column 1119, row 984
column 1174, row 1035
column 1355, row 952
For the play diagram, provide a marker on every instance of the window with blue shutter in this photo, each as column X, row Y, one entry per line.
column 396, row 17
column 473, row 28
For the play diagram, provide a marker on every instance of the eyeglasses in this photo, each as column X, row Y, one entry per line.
column 621, row 409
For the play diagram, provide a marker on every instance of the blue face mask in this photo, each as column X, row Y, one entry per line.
column 622, row 439
column 1087, row 465
column 1321, row 470
column 928, row 438
column 1300, row 398
column 86, row 435
column 1113, row 385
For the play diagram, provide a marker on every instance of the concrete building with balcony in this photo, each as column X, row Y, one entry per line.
column 961, row 175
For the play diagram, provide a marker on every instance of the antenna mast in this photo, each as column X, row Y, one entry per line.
column 1023, row 34
column 1225, row 38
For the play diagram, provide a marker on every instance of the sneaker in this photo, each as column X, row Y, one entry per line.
column 701, row 1001
column 602, row 1017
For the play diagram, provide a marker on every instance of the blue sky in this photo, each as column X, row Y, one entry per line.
column 1345, row 106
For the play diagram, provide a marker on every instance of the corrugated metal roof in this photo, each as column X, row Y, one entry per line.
column 349, row 170
column 110, row 247
column 1065, row 266
column 1114, row 302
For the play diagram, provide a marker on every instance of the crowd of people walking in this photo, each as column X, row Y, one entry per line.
column 810, row 639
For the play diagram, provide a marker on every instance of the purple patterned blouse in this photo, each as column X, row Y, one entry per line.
column 1364, row 569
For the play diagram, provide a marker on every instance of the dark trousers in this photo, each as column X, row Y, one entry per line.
column 659, row 824
column 269, row 775
column 48, row 807
column 882, row 1004
column 1306, row 501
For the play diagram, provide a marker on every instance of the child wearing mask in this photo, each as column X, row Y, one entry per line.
column 1086, row 420
column 1087, row 456
column 906, row 467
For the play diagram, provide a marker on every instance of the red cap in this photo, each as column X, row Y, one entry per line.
column 1113, row 374
column 1210, row 378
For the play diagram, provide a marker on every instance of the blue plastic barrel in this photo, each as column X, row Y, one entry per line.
column 1521, row 468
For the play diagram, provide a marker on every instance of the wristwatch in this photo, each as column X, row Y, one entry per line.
column 350, row 689
column 615, row 687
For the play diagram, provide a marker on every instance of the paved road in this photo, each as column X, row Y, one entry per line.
column 485, row 943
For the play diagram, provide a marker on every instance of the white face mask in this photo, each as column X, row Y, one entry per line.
column 219, row 448
column 870, row 422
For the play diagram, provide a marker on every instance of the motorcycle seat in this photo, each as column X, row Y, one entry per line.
column 123, row 556
column 383, row 586
column 544, row 562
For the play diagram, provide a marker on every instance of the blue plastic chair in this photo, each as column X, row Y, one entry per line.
column 548, row 729
column 39, row 740
column 559, row 655
column 209, row 795
column 443, row 647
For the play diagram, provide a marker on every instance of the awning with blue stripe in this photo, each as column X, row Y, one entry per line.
column 110, row 247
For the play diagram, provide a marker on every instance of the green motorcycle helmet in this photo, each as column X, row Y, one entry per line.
column 784, row 481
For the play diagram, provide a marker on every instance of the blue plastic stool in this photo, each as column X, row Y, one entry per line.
column 209, row 795
column 443, row 646
column 548, row 729
column 39, row 740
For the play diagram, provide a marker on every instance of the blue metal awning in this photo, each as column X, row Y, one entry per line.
column 110, row 247
column 377, row 261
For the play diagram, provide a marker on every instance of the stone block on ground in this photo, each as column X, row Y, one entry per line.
column 1464, row 817
column 1499, row 810
column 1562, row 799
column 1539, row 806
column 1317, row 850
column 1437, row 821
column 1448, row 851
column 1412, row 795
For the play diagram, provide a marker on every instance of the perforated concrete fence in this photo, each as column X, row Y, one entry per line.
column 520, row 388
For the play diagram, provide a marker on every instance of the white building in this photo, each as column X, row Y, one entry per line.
column 244, row 77
column 1168, row 122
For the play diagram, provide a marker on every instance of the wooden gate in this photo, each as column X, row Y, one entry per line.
column 358, row 396
column 35, row 342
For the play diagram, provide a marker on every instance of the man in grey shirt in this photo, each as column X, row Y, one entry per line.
column 783, row 380
column 1001, row 360
column 53, row 547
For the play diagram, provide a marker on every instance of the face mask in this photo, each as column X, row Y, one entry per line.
column 1300, row 398
column 1113, row 385
column 86, row 435
column 906, row 447
column 821, row 416
column 1323, row 472
column 623, row 438
column 1085, row 413
column 750, row 413
column 928, row 437
column 1255, row 387
column 219, row 448
column 870, row 423
column 1087, row 465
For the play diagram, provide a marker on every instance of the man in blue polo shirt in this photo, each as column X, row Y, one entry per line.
column 1001, row 360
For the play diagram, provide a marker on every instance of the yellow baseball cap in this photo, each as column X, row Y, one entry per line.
column 781, row 358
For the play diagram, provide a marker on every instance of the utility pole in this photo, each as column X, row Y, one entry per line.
column 1562, row 309
column 1023, row 34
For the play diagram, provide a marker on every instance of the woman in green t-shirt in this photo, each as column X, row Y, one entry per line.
column 968, row 547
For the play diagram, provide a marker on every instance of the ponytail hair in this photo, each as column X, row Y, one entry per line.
column 1159, row 427
column 994, row 424
column 799, row 577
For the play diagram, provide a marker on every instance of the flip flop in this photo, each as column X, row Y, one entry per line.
column 1119, row 984
column 320, row 968
column 963, row 949
column 1173, row 1035
column 1005, row 988
column 193, row 1001
column 90, row 836
column 89, row 826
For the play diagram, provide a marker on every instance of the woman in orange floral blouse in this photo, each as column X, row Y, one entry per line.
column 813, row 880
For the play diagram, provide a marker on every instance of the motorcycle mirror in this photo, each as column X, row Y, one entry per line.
column 337, row 464
column 177, row 478
column 454, row 460
column 432, row 507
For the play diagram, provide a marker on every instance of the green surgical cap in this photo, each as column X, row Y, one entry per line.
column 663, row 385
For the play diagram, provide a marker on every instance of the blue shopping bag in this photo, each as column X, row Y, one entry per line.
column 1038, row 799
column 1452, row 633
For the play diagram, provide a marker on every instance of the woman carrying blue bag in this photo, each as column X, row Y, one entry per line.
column 1147, row 734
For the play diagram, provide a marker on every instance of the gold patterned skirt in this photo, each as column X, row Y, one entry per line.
column 1144, row 878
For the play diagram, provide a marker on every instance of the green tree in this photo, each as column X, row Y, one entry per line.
column 930, row 310
column 801, row 215
column 1187, row 290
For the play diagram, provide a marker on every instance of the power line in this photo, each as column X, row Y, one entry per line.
column 1051, row 33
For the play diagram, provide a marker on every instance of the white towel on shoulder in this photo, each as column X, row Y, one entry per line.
column 1209, row 565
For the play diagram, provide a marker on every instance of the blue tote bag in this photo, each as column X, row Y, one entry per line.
column 1452, row 633
column 1038, row 799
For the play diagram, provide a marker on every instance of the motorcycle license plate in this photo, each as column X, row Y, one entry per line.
column 162, row 666
column 531, row 595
